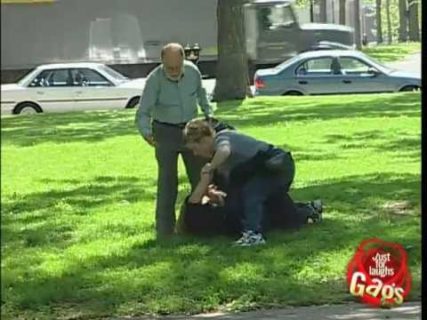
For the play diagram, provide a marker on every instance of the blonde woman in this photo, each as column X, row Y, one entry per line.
column 257, row 168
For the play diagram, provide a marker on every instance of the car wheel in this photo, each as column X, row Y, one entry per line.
column 132, row 103
column 410, row 88
column 27, row 108
column 293, row 93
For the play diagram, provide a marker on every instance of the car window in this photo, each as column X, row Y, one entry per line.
column 377, row 64
column 113, row 73
column 59, row 78
column 89, row 78
column 52, row 78
column 316, row 66
column 350, row 65
column 271, row 18
column 40, row 79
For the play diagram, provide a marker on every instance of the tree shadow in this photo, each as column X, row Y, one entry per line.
column 407, row 146
column 183, row 274
column 267, row 112
column 90, row 126
column 229, row 106
column 88, row 194
column 100, row 125
column 305, row 154
column 72, row 197
column 355, row 137
column 363, row 193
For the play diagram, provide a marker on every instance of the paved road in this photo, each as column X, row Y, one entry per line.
column 352, row 311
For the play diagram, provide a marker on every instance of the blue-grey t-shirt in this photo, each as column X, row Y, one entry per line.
column 243, row 148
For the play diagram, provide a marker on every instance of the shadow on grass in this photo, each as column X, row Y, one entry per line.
column 97, row 126
column 268, row 112
column 406, row 145
column 192, row 275
column 38, row 211
column 73, row 198
column 231, row 105
column 70, row 127
column 88, row 194
column 364, row 195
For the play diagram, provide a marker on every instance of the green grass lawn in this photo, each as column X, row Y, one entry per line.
column 78, row 194
column 393, row 52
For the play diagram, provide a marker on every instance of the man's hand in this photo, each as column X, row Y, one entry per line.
column 150, row 139
column 215, row 196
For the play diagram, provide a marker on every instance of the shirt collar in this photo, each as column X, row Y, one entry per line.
column 182, row 74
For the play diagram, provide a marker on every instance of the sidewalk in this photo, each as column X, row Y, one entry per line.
column 351, row 311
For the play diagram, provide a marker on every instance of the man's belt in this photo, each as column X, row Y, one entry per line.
column 176, row 125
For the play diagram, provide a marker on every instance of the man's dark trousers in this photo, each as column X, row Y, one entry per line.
column 262, row 186
column 169, row 144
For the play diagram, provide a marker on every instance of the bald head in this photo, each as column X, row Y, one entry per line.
column 173, row 59
column 172, row 49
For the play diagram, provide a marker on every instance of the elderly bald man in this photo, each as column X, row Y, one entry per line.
column 172, row 92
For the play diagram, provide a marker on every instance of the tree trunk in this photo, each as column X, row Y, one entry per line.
column 389, row 35
column 322, row 7
column 232, row 79
column 311, row 11
column 357, row 25
column 414, row 26
column 403, row 20
column 379, row 22
column 342, row 12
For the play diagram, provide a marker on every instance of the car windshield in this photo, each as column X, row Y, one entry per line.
column 27, row 77
column 377, row 64
column 113, row 73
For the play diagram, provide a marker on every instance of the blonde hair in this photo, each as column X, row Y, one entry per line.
column 196, row 130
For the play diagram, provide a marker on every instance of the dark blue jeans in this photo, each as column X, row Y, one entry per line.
column 259, row 188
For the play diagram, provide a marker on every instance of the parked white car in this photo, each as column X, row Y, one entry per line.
column 70, row 87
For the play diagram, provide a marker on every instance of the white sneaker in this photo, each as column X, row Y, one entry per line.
column 250, row 238
column 317, row 207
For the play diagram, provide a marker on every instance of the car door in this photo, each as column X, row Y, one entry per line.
column 315, row 76
column 53, row 90
column 361, row 77
column 95, row 91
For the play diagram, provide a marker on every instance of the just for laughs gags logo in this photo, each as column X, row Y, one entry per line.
column 378, row 273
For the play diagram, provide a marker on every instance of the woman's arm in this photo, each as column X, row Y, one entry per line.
column 201, row 188
column 220, row 156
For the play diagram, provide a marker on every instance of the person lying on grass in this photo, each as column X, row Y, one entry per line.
column 257, row 169
column 221, row 213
